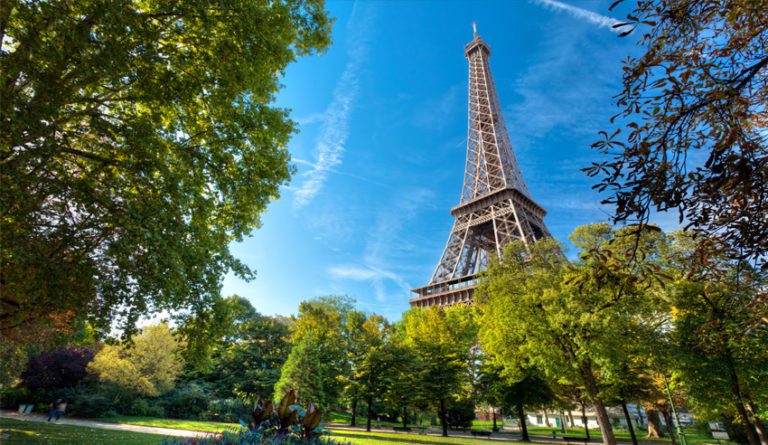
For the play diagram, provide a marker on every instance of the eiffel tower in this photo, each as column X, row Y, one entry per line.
column 495, row 207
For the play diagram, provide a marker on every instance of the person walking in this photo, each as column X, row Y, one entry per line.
column 57, row 409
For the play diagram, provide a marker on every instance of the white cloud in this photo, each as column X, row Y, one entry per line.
column 367, row 273
column 330, row 146
column 580, row 13
column 385, row 248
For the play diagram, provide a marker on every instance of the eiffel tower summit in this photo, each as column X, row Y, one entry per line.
column 495, row 207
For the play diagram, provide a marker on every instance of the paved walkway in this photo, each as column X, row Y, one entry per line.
column 102, row 425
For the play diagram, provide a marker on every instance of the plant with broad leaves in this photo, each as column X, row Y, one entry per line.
column 289, row 418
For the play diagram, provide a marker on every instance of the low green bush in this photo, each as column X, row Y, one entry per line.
column 139, row 407
column 185, row 402
column 11, row 398
column 228, row 410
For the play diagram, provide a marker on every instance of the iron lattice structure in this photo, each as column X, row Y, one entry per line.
column 496, row 207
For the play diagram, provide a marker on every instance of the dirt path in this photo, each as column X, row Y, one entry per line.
column 103, row 425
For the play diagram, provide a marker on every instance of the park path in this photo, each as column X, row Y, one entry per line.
column 7, row 414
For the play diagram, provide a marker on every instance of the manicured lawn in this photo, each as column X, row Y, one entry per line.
column 376, row 438
column 621, row 434
column 345, row 419
column 19, row 432
column 179, row 424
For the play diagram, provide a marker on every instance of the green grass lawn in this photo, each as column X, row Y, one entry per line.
column 381, row 437
column 19, row 432
column 376, row 438
column 179, row 424
column 692, row 436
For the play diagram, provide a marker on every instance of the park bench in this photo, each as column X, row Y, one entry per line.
column 481, row 433
column 576, row 439
column 402, row 429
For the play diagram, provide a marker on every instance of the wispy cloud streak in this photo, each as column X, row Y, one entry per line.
column 580, row 13
column 384, row 249
column 329, row 149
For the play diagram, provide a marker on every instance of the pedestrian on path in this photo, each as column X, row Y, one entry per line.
column 57, row 409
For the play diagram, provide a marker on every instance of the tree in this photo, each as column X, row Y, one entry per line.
column 307, row 374
column 402, row 388
column 149, row 366
column 570, row 321
column 691, row 131
column 322, row 332
column 512, row 390
column 723, row 366
column 137, row 140
column 441, row 338
column 250, row 365
column 58, row 368
column 374, row 363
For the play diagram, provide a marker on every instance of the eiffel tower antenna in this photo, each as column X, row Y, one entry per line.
column 495, row 207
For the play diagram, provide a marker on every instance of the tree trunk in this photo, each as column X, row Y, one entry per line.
column 630, row 427
column 562, row 422
column 584, row 419
column 368, row 423
column 546, row 418
column 523, row 425
column 762, row 434
column 493, row 413
column 654, row 424
column 605, row 422
column 354, row 412
column 670, row 425
column 597, row 402
column 751, row 434
column 405, row 417
column 443, row 419
column 570, row 419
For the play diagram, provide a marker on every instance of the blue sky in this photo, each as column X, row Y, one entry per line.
column 381, row 151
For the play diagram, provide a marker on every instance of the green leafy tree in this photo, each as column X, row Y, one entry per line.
column 249, row 363
column 402, row 388
column 571, row 321
column 512, row 391
column 149, row 366
column 691, row 131
column 441, row 339
column 723, row 366
column 307, row 374
column 322, row 331
column 137, row 141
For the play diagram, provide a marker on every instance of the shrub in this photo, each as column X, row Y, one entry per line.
column 11, row 398
column 461, row 414
column 58, row 368
column 186, row 402
column 139, row 407
column 228, row 410
column 155, row 411
column 88, row 401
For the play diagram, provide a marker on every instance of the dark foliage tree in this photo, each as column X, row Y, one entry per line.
column 59, row 368
column 691, row 133
column 137, row 140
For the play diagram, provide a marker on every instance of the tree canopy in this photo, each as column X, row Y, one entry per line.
column 149, row 366
column 137, row 140
column 573, row 322
column 691, row 131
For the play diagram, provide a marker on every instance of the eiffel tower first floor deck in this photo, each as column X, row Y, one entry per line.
column 446, row 293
